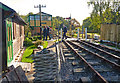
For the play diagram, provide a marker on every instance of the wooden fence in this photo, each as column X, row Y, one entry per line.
column 110, row 32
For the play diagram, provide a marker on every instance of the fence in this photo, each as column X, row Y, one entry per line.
column 110, row 32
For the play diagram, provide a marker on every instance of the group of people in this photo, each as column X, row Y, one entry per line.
column 47, row 33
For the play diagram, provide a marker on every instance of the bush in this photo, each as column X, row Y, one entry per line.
column 39, row 42
column 34, row 38
column 29, row 34
column 27, row 42
column 30, row 38
column 75, row 35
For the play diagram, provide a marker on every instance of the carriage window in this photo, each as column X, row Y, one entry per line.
column 37, row 17
column 49, row 18
column 44, row 18
column 31, row 17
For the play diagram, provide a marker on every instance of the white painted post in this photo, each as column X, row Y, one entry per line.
column 61, row 34
column 78, row 34
column 86, row 34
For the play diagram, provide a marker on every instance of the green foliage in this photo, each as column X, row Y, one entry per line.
column 29, row 34
column 106, row 9
column 27, row 42
column 35, row 38
column 45, row 44
column 93, row 25
column 25, row 18
column 87, row 23
column 75, row 35
column 59, row 21
column 29, row 51
column 103, row 13
column 27, row 54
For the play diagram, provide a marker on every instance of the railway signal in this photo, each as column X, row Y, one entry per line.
column 39, row 6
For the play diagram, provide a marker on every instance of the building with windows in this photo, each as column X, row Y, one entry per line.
column 34, row 21
column 12, row 32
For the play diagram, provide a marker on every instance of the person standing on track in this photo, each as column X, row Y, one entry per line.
column 48, row 32
column 64, row 32
column 44, row 33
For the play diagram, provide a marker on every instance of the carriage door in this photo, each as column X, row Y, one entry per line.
column 9, row 40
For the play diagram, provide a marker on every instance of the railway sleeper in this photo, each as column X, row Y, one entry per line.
column 85, row 80
column 68, row 55
column 94, row 63
column 75, row 63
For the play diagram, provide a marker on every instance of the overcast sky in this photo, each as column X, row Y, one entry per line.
column 77, row 8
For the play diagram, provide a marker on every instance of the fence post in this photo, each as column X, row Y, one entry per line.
column 86, row 34
column 78, row 34
column 61, row 34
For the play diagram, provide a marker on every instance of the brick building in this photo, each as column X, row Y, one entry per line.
column 12, row 31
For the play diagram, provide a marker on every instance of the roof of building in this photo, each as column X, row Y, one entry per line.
column 11, row 13
column 43, row 13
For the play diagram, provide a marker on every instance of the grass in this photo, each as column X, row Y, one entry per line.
column 28, row 52
column 45, row 44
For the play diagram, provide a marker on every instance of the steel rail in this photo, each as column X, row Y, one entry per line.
column 114, row 65
column 103, row 47
column 98, row 77
column 103, row 51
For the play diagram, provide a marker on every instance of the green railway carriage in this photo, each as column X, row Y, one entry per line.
column 34, row 21
column 12, row 34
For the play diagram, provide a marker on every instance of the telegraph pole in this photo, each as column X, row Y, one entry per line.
column 39, row 6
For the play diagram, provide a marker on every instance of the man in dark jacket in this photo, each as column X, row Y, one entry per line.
column 48, row 32
column 44, row 33
column 64, row 32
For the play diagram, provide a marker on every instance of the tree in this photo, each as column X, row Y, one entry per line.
column 104, row 12
column 102, row 7
column 93, row 25
column 58, row 22
column 25, row 18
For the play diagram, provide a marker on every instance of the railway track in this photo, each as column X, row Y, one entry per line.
column 91, row 65
column 109, row 56
column 110, row 50
column 80, row 69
